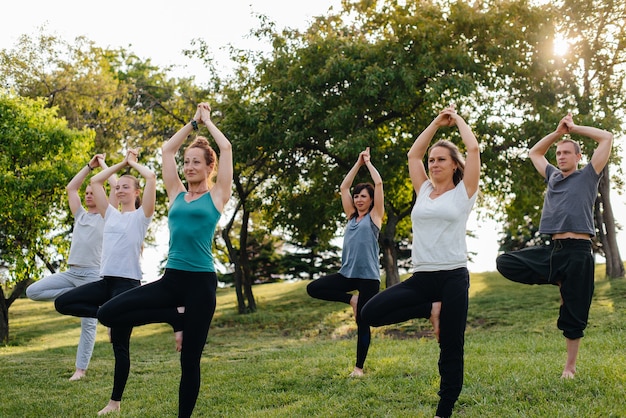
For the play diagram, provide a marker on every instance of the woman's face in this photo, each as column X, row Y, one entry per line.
column 195, row 167
column 362, row 201
column 125, row 190
column 441, row 166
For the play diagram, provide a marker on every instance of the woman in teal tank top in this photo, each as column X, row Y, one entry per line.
column 185, row 296
column 365, row 208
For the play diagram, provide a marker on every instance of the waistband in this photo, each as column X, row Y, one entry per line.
column 572, row 243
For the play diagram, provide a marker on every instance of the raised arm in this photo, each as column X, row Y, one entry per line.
column 471, row 175
column 75, row 184
column 538, row 152
column 221, row 191
column 346, row 184
column 148, row 200
column 601, row 155
column 378, row 211
column 97, row 183
column 417, row 171
column 171, row 179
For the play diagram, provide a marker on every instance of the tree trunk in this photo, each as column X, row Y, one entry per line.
column 605, row 220
column 244, row 262
column 4, row 318
column 389, row 250
column 5, row 304
column 234, row 259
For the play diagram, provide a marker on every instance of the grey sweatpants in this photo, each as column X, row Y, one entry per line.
column 53, row 286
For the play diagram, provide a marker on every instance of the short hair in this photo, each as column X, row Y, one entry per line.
column 571, row 141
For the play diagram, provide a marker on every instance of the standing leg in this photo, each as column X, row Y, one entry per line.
column 85, row 346
column 120, row 340
column 453, row 319
column 199, row 310
column 367, row 290
column 577, row 287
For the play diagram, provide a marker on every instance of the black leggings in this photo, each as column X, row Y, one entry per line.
column 335, row 288
column 156, row 302
column 413, row 298
column 84, row 302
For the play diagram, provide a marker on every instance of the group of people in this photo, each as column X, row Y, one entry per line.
column 103, row 279
column 438, row 288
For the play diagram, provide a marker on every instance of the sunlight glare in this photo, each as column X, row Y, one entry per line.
column 560, row 45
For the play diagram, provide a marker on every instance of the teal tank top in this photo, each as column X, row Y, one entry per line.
column 192, row 226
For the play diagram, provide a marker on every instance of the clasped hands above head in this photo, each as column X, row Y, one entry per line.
column 203, row 113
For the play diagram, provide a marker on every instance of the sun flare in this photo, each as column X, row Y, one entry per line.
column 560, row 45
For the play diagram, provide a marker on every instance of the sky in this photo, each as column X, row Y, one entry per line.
column 161, row 30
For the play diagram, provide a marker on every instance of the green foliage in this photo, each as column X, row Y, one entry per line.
column 39, row 154
column 293, row 357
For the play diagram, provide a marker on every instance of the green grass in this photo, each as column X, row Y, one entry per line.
column 292, row 359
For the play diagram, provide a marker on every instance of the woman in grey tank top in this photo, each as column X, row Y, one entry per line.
column 365, row 208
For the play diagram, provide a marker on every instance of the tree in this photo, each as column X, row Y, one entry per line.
column 39, row 154
column 366, row 76
column 587, row 79
column 125, row 100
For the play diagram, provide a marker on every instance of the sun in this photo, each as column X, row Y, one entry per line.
column 560, row 45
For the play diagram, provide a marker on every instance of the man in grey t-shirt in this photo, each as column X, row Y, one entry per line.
column 567, row 216
column 83, row 261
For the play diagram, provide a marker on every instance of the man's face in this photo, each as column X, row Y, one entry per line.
column 566, row 157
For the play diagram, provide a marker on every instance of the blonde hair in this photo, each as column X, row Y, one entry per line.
column 137, row 186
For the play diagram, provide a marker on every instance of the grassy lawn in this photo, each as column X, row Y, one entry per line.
column 292, row 359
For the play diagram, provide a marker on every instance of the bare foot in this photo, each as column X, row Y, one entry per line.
column 357, row 372
column 568, row 374
column 435, row 313
column 354, row 300
column 112, row 406
column 78, row 374
column 178, row 337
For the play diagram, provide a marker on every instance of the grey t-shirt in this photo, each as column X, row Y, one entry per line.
column 86, row 247
column 568, row 203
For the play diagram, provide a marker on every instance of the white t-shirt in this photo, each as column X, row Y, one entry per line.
column 121, row 246
column 86, row 246
column 439, row 228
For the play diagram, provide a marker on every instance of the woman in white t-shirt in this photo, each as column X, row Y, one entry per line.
column 438, row 288
column 124, row 231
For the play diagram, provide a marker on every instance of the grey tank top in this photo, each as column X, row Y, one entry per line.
column 359, row 258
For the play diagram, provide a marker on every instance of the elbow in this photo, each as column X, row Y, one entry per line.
column 150, row 177
column 227, row 147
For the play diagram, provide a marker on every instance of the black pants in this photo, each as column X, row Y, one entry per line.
column 567, row 263
column 413, row 298
column 335, row 288
column 156, row 302
column 84, row 302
